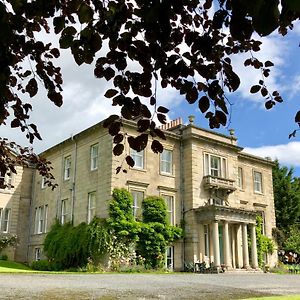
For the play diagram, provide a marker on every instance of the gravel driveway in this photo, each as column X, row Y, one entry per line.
column 145, row 286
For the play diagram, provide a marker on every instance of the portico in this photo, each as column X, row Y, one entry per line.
column 223, row 236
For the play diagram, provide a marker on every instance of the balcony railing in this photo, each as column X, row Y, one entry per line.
column 219, row 183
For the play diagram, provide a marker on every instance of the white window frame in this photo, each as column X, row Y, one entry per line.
column 40, row 219
column 63, row 211
column 46, row 218
column 170, row 199
column 136, row 206
column 209, row 169
column 37, row 253
column 257, row 184
column 43, row 185
column 36, row 220
column 94, row 157
column 67, row 167
column 7, row 180
column 169, row 260
column 91, row 206
column 138, row 158
column 240, row 179
column 6, row 219
column 1, row 215
column 206, row 240
column 166, row 162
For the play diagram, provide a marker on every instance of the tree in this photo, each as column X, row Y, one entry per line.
column 293, row 240
column 180, row 44
column 286, row 196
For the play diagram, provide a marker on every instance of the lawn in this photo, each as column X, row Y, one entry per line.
column 290, row 297
column 13, row 267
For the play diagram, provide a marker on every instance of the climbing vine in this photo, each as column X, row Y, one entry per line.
column 265, row 245
column 156, row 234
column 114, row 241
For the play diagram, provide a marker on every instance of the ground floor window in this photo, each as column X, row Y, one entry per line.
column 37, row 253
column 170, row 257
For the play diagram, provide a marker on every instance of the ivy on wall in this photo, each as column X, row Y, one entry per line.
column 115, row 240
column 265, row 245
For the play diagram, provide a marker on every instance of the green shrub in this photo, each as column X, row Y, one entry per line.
column 42, row 265
column 67, row 246
column 7, row 240
column 3, row 257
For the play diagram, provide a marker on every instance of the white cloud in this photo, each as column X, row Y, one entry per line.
column 287, row 154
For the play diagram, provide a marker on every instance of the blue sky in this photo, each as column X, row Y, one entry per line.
column 261, row 132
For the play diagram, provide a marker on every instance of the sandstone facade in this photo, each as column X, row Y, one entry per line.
column 211, row 187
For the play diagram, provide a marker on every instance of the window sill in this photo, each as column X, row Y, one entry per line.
column 258, row 193
column 139, row 169
column 93, row 170
column 167, row 174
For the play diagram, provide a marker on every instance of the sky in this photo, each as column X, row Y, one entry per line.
column 260, row 132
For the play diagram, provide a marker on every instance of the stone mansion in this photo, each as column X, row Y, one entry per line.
column 210, row 186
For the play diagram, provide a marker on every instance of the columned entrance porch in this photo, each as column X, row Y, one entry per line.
column 223, row 237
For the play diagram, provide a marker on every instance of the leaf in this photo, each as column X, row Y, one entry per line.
column 162, row 118
column 85, row 13
column 114, row 128
column 141, row 141
column 152, row 101
column 56, row 98
column 255, row 88
column 160, row 133
column 110, row 93
column 110, row 120
column 293, row 134
column 269, row 104
column 297, row 117
column 266, row 18
column 162, row 109
column 268, row 64
column 292, row 5
column 157, row 147
column 264, row 92
column 203, row 104
column 118, row 149
column 143, row 125
column 192, row 95
column 59, row 24
column 129, row 161
column 31, row 87
column 221, row 117
column 118, row 138
column 15, row 123
column 108, row 73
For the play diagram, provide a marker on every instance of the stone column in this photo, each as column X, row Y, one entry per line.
column 201, row 243
column 239, row 253
column 227, row 260
column 253, row 247
column 245, row 247
column 233, row 240
column 215, row 231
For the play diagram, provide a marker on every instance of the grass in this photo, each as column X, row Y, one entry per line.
column 290, row 297
column 13, row 267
